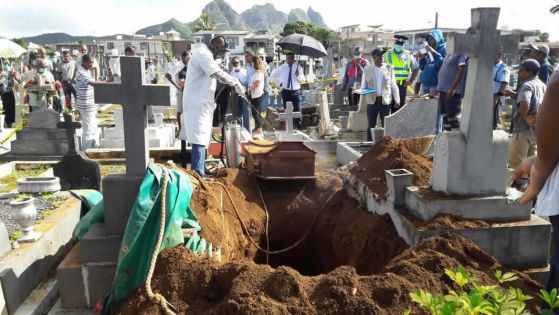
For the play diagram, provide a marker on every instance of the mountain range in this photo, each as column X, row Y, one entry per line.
column 258, row 18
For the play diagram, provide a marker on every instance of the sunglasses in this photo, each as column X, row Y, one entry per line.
column 236, row 63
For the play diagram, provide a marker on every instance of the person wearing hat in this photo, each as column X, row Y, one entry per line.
column 381, row 77
column 405, row 68
column 353, row 74
column 541, row 54
column 528, row 99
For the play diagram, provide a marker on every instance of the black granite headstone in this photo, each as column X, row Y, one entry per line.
column 76, row 171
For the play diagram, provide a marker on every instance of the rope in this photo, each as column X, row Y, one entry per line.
column 157, row 298
column 267, row 224
column 13, row 132
column 255, row 244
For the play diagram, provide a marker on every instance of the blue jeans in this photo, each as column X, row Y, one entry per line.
column 427, row 89
column 244, row 113
column 198, row 158
column 553, row 280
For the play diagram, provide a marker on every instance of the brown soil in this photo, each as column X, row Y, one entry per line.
column 429, row 194
column 389, row 154
column 352, row 262
column 197, row 286
column 445, row 221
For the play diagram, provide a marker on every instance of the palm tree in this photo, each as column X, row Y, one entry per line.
column 554, row 9
column 203, row 23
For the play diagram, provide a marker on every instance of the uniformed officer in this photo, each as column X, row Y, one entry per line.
column 405, row 68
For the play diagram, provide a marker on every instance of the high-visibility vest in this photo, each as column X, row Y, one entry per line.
column 402, row 67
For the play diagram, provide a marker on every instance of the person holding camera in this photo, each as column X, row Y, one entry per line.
column 501, row 75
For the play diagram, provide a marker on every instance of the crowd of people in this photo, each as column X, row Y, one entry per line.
column 395, row 74
column 392, row 75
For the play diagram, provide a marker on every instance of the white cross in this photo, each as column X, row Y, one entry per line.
column 134, row 96
column 481, row 45
column 288, row 117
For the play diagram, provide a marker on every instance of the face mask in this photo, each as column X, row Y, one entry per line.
column 6, row 67
column 34, row 63
column 357, row 55
column 41, row 70
column 237, row 68
column 398, row 48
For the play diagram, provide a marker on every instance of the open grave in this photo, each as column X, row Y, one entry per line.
column 350, row 262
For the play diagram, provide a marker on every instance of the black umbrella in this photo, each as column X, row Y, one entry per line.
column 304, row 45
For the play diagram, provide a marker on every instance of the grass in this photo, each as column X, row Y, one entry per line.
column 107, row 169
column 14, row 236
column 9, row 182
column 47, row 196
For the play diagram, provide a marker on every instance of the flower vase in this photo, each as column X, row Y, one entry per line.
column 25, row 213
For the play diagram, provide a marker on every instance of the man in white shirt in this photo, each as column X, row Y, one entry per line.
column 241, row 74
column 379, row 76
column 289, row 76
column 500, row 83
column 198, row 99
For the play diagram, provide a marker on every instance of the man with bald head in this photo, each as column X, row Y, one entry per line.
column 198, row 98
column 43, row 55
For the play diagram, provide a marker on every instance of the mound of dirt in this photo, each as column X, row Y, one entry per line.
column 387, row 154
column 197, row 286
column 444, row 222
column 351, row 262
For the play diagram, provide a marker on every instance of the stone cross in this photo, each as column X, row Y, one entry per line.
column 134, row 96
column 40, row 88
column 473, row 160
column 288, row 116
column 70, row 125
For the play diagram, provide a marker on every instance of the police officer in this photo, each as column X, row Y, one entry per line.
column 405, row 68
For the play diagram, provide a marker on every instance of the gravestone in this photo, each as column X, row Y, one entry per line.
column 160, row 135
column 358, row 121
column 75, row 170
column 100, row 247
column 415, row 119
column 290, row 134
column 134, row 96
column 473, row 160
column 325, row 127
column 40, row 139
column 39, row 92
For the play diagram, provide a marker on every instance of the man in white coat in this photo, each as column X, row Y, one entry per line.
column 379, row 76
column 198, row 98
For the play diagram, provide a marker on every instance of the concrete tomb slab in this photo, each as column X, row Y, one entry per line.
column 415, row 119
column 38, row 184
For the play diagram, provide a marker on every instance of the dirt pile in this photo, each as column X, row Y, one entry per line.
column 445, row 221
column 389, row 154
column 197, row 286
column 352, row 262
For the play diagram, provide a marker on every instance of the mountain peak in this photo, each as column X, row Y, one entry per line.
column 316, row 17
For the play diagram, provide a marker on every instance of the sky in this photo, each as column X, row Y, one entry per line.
column 107, row 17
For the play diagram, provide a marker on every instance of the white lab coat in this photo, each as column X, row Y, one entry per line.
column 198, row 98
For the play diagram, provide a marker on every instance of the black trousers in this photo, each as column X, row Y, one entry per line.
column 496, row 108
column 9, row 104
column 402, row 89
column 373, row 112
column 256, row 109
column 293, row 96
column 352, row 98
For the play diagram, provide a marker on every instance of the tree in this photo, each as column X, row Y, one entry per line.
column 544, row 37
column 21, row 41
column 203, row 23
column 299, row 27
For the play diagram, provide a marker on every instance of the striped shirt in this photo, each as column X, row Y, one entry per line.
column 548, row 198
column 84, row 91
